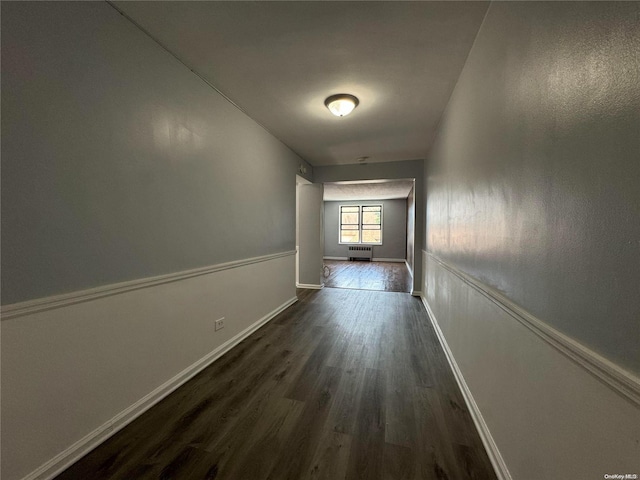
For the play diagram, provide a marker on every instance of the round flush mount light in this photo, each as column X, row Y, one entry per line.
column 341, row 104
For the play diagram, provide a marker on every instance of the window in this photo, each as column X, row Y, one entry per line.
column 361, row 224
column 372, row 224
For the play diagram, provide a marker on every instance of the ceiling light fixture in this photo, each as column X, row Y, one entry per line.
column 341, row 104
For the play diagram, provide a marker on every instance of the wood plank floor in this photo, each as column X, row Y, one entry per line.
column 345, row 384
column 382, row 276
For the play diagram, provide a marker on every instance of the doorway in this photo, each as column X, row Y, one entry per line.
column 369, row 231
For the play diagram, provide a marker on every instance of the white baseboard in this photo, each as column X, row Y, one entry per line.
column 336, row 258
column 490, row 446
column 310, row 286
column 83, row 446
column 416, row 293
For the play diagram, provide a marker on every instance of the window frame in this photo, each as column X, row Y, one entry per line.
column 360, row 224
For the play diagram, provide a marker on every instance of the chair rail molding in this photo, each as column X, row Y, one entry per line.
column 57, row 301
column 621, row 381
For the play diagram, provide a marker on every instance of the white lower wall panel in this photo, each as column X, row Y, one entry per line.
column 548, row 417
column 68, row 373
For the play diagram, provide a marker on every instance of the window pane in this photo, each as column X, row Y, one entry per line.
column 349, row 227
column 349, row 218
column 351, row 209
column 371, row 236
column 350, row 236
column 371, row 218
column 371, row 227
column 374, row 208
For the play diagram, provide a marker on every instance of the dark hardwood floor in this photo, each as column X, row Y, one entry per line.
column 345, row 384
column 382, row 276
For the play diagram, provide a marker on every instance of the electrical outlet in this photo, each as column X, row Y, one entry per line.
column 219, row 324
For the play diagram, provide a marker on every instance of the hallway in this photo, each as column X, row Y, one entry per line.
column 344, row 384
column 173, row 171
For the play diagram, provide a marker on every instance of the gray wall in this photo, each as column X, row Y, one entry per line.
column 310, row 246
column 533, row 185
column 394, row 229
column 387, row 170
column 119, row 163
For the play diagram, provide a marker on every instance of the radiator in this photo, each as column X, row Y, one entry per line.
column 360, row 253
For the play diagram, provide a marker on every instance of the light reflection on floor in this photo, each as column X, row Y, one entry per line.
column 381, row 276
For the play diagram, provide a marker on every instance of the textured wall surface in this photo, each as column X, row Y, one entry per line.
column 119, row 163
column 394, row 229
column 533, row 186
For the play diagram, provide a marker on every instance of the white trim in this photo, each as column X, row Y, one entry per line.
column 500, row 467
column 615, row 377
column 47, row 303
column 336, row 258
column 416, row 293
column 83, row 446
column 310, row 286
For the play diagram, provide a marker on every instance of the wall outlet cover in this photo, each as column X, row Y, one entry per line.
column 219, row 324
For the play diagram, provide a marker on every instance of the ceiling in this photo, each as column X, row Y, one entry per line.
column 367, row 190
column 278, row 61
